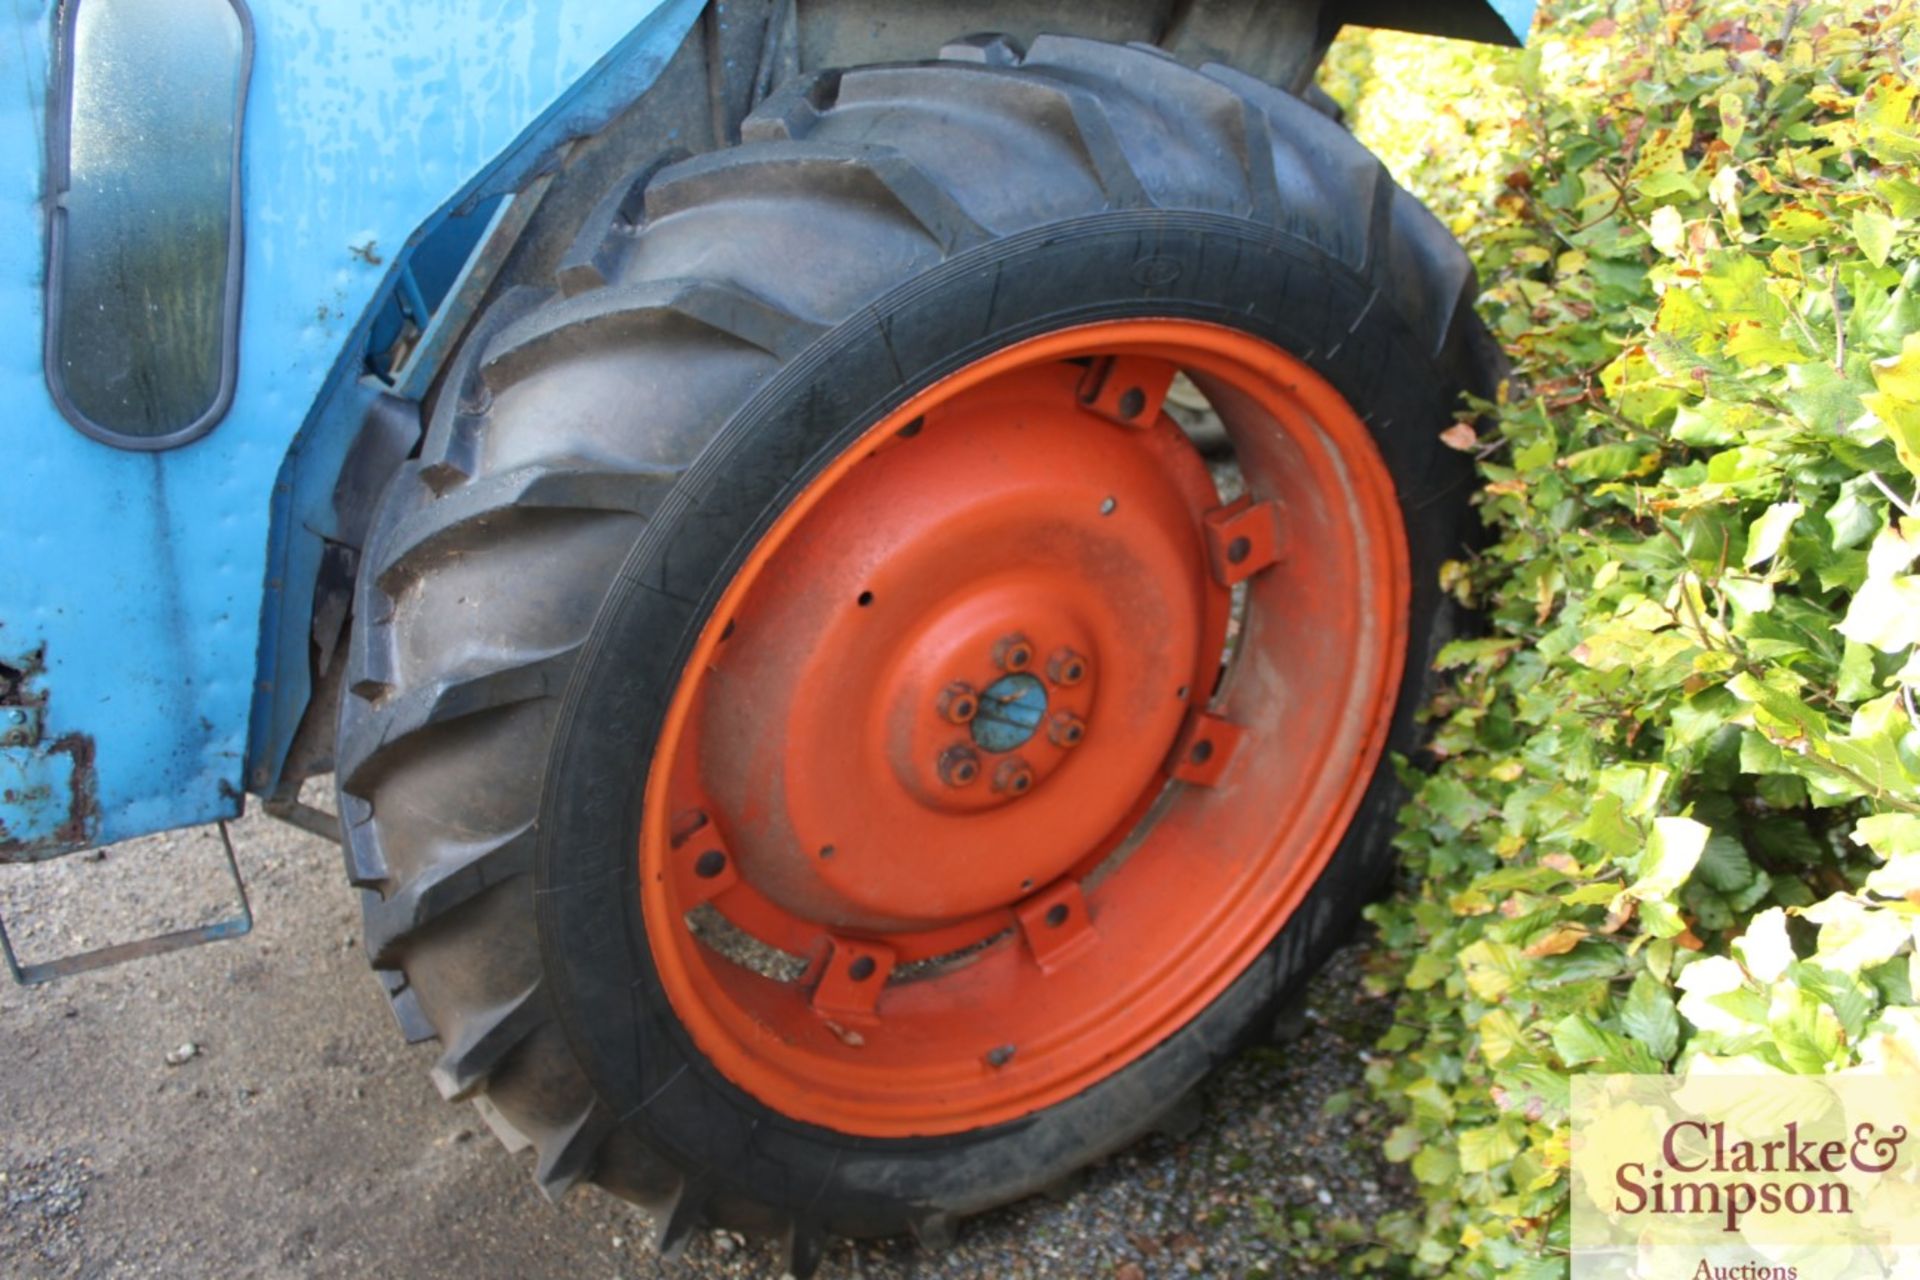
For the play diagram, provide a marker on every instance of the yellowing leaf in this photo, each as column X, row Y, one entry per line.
column 1704, row 984
column 1733, row 118
column 1724, row 191
column 1890, row 118
column 1764, row 948
column 1885, row 611
column 1558, row 940
column 1855, row 935
column 1891, row 835
column 1895, row 837
column 1672, row 852
column 1769, row 532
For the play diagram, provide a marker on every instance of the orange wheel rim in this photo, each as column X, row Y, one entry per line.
column 961, row 804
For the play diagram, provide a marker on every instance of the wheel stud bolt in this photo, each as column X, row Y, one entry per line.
column 1066, row 730
column 1066, row 667
column 958, row 702
column 959, row 766
column 1013, row 777
column 1012, row 653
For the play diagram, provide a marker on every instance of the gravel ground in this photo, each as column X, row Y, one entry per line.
column 247, row 1109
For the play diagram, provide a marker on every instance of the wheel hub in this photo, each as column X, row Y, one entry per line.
column 914, row 686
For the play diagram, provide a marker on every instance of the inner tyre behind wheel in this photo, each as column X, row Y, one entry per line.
column 919, row 817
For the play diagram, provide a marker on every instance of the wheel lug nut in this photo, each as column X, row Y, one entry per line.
column 959, row 766
column 958, row 702
column 1066, row 667
column 1013, row 777
column 1012, row 653
column 1066, row 730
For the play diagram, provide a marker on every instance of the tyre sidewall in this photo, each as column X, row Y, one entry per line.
column 1214, row 268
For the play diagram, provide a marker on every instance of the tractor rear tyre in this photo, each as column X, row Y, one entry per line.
column 825, row 754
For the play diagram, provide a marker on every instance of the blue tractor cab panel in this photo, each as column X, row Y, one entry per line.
column 240, row 290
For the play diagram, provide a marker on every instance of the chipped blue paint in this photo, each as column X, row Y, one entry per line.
column 138, row 577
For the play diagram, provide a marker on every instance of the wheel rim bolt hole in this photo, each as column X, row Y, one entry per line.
column 1056, row 915
column 1013, row 777
column 861, row 969
column 959, row 766
column 1012, row 653
column 1201, row 751
column 1238, row 550
column 958, row 702
column 1066, row 668
column 1066, row 730
column 710, row 864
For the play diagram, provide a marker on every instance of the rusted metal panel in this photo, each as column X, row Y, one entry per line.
column 49, row 791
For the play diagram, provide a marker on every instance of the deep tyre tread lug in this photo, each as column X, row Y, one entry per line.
column 454, row 878
column 790, row 112
column 564, row 1159
column 870, row 172
column 405, row 1005
column 676, row 1222
column 1099, row 143
column 802, row 1249
column 452, row 698
column 486, row 1038
column 632, row 312
column 366, row 863
column 989, row 48
column 449, row 454
column 590, row 261
column 530, row 488
column 934, row 1230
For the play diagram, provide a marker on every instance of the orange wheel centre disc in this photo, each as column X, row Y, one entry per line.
column 959, row 805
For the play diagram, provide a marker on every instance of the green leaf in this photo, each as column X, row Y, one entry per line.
column 1436, row 1164
column 1649, row 1017
column 1873, row 232
column 1402, row 1143
column 1578, row 1040
column 1485, row 1147
column 1806, row 1032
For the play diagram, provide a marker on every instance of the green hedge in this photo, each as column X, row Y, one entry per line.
column 1672, row 803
